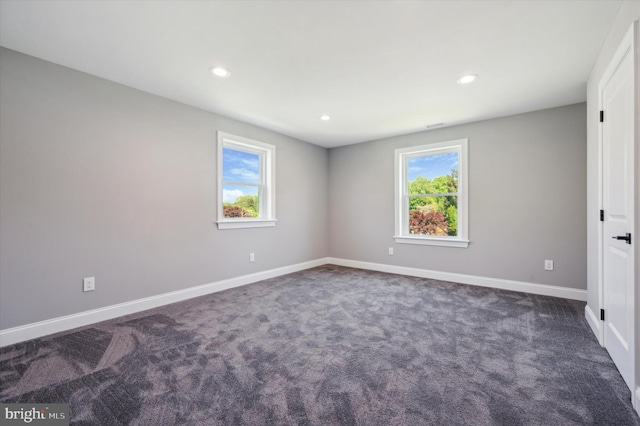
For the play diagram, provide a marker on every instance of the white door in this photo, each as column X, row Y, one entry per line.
column 617, row 101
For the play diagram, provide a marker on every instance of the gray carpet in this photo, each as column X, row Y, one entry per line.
column 330, row 346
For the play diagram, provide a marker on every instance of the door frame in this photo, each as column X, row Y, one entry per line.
column 627, row 44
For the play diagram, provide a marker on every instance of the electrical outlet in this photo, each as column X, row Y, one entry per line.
column 89, row 284
column 390, row 251
column 252, row 257
column 548, row 265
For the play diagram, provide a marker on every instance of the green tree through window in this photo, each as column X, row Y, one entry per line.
column 433, row 197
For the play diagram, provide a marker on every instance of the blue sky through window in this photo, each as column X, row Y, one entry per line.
column 432, row 166
column 240, row 167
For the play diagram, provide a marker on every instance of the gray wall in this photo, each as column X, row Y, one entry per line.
column 526, row 202
column 97, row 179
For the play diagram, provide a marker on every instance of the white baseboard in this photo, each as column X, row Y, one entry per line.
column 542, row 289
column 43, row 328
column 594, row 323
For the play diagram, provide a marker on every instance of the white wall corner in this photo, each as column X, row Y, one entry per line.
column 594, row 323
column 636, row 400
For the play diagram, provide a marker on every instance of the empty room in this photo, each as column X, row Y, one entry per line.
column 319, row 212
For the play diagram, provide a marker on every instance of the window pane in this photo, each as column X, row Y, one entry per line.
column 240, row 200
column 240, row 166
column 433, row 215
column 433, row 174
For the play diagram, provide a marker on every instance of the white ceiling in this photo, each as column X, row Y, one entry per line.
column 378, row 68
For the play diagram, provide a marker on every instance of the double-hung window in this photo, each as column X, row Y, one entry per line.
column 431, row 192
column 246, row 183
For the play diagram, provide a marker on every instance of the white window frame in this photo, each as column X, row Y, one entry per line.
column 402, row 156
column 267, row 187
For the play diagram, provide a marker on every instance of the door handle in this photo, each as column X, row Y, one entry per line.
column 626, row 237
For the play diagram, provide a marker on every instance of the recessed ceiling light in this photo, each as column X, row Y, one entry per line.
column 220, row 72
column 466, row 79
column 325, row 117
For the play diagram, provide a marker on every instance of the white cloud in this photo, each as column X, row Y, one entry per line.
column 252, row 163
column 246, row 175
column 230, row 195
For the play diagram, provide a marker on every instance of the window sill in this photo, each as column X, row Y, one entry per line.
column 425, row 241
column 246, row 223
